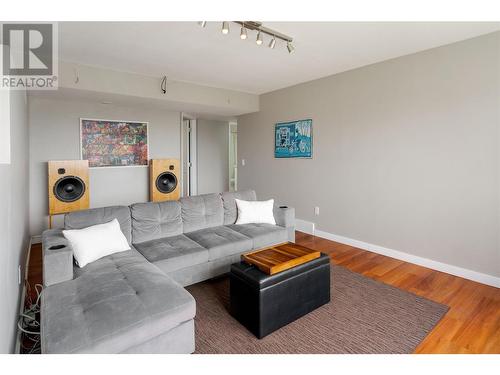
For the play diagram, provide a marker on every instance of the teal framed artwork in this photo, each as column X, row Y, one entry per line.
column 293, row 139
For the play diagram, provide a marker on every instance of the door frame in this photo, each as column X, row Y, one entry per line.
column 193, row 152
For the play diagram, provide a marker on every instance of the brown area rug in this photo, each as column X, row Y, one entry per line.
column 363, row 316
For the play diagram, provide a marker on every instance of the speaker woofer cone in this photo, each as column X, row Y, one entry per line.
column 166, row 182
column 69, row 188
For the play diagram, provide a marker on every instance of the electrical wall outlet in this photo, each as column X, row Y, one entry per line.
column 316, row 211
column 243, row 162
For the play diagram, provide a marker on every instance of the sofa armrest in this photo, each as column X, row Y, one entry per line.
column 57, row 256
column 285, row 217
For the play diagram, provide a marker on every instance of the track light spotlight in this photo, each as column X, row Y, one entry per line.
column 259, row 39
column 261, row 31
column 272, row 43
column 243, row 33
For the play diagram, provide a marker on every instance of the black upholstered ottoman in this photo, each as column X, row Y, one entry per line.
column 263, row 303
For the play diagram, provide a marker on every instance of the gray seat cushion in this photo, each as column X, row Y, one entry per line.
column 113, row 304
column 262, row 235
column 173, row 253
column 229, row 203
column 221, row 241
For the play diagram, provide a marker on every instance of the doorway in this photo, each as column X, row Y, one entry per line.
column 188, row 155
column 233, row 156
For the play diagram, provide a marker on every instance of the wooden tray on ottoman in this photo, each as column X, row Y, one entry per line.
column 279, row 258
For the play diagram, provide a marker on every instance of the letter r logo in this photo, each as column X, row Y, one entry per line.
column 30, row 49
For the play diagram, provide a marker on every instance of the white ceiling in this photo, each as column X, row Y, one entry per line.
column 184, row 51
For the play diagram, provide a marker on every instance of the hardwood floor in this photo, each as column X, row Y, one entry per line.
column 34, row 269
column 472, row 325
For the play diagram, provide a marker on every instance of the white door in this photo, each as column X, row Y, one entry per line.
column 233, row 156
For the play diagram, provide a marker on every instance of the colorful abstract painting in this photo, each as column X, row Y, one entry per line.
column 108, row 143
column 293, row 139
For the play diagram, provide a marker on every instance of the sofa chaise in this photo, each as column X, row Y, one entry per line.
column 134, row 301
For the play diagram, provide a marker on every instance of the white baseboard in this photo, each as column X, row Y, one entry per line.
column 424, row 262
column 36, row 239
column 304, row 226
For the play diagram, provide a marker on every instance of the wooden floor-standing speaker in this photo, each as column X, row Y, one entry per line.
column 164, row 180
column 68, row 186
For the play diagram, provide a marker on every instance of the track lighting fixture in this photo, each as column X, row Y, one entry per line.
column 260, row 29
column 243, row 33
column 259, row 39
column 272, row 43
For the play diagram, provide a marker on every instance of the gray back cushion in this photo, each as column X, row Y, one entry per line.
column 151, row 221
column 201, row 211
column 230, row 210
column 86, row 218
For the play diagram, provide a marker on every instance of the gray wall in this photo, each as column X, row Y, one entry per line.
column 406, row 153
column 14, row 202
column 213, row 156
column 54, row 135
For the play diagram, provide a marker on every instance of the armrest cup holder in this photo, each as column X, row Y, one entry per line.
column 57, row 247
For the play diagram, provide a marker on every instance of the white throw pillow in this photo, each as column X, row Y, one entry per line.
column 258, row 212
column 96, row 241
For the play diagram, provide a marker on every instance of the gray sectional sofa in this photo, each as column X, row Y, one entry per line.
column 134, row 301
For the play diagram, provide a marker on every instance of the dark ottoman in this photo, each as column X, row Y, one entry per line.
column 263, row 303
